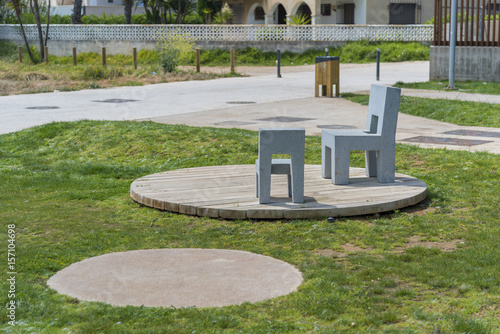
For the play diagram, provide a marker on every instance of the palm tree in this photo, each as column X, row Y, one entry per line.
column 76, row 17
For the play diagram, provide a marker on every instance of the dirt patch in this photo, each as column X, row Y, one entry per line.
column 419, row 209
column 413, row 241
column 346, row 249
column 445, row 246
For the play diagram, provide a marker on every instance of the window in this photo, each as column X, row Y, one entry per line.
column 326, row 9
column 402, row 13
column 259, row 14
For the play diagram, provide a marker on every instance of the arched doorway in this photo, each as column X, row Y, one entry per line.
column 305, row 11
column 281, row 11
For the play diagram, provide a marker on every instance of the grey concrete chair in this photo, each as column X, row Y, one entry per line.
column 378, row 140
column 280, row 141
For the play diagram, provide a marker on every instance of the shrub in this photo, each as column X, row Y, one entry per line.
column 175, row 49
column 94, row 73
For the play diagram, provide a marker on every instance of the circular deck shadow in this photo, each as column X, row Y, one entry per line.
column 177, row 277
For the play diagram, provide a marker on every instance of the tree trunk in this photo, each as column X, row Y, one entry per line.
column 76, row 17
column 36, row 12
column 128, row 10
column 179, row 11
column 47, row 28
column 17, row 10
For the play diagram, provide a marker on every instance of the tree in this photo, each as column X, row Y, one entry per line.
column 4, row 10
column 35, row 9
column 161, row 11
column 34, row 6
column 76, row 17
column 207, row 8
column 17, row 5
column 225, row 14
column 128, row 10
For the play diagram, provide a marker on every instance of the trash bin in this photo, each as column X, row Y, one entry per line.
column 327, row 75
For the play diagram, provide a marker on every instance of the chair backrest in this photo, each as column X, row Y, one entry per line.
column 383, row 109
column 281, row 140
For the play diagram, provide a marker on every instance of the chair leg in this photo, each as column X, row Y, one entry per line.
column 264, row 181
column 297, row 174
column 326, row 161
column 340, row 172
column 257, row 185
column 289, row 183
column 371, row 163
column 386, row 163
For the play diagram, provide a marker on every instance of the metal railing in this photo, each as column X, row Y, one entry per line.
column 478, row 22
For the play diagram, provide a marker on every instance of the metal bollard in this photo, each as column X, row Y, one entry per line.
column 378, row 64
column 326, row 52
column 279, row 62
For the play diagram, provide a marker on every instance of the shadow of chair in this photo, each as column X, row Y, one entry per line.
column 378, row 140
column 280, row 141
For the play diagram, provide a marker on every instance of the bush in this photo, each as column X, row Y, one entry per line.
column 175, row 49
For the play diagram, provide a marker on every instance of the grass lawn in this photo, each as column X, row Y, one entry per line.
column 455, row 112
column 65, row 188
column 479, row 87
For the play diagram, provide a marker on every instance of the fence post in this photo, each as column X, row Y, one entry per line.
column 232, row 61
column 74, row 55
column 20, row 53
column 198, row 60
column 104, row 56
column 134, row 52
column 46, row 50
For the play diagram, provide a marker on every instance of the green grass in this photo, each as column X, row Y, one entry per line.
column 479, row 87
column 353, row 52
column 451, row 111
column 65, row 186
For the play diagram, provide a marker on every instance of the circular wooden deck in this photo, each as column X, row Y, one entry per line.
column 229, row 192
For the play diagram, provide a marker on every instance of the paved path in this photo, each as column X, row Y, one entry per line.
column 252, row 102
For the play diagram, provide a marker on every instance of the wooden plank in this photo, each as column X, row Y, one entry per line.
column 229, row 192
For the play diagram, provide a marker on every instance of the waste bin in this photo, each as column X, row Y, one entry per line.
column 327, row 75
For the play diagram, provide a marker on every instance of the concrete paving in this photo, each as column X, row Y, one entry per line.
column 262, row 100
column 177, row 277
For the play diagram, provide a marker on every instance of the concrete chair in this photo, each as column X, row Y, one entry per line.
column 378, row 140
column 280, row 141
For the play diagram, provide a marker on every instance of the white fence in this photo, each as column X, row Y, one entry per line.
column 227, row 33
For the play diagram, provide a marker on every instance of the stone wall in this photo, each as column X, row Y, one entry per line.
column 471, row 63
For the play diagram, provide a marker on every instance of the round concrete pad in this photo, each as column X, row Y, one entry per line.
column 177, row 277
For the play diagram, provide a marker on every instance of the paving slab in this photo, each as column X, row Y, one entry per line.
column 178, row 277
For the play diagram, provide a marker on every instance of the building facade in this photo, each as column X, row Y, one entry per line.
column 333, row 11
